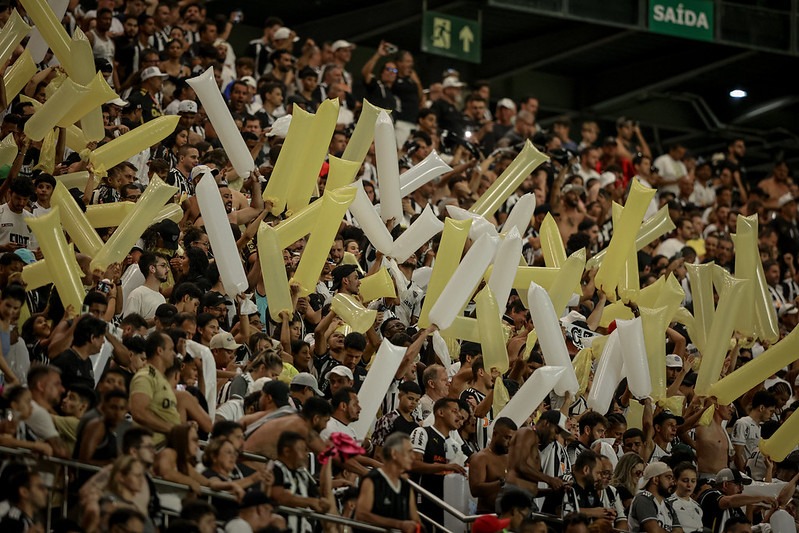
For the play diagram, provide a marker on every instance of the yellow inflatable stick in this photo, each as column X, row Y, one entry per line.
column 635, row 415
column 47, row 153
column 671, row 296
column 623, row 241
column 532, row 339
column 64, row 270
column 273, row 271
column 97, row 91
column 334, row 205
column 298, row 225
column 133, row 142
column 76, row 140
column 510, row 179
column 654, row 227
column 8, row 150
column 675, row 404
column 74, row 221
column 582, row 368
column 749, row 266
column 780, row 355
column 629, row 284
column 82, row 60
column 448, row 257
column 54, row 109
column 378, row 285
column 614, row 311
column 172, row 212
column 353, row 312
column 156, row 194
column 707, row 415
column 544, row 276
column 363, row 135
column 700, row 278
column 495, row 354
column 341, row 173
column 463, row 328
column 501, row 395
column 286, row 172
column 74, row 179
column 11, row 35
column 317, row 143
column 18, row 75
column 218, row 113
column 783, row 441
column 655, row 322
column 567, row 278
column 36, row 275
column 108, row 215
column 51, row 29
column 552, row 243
column 745, row 316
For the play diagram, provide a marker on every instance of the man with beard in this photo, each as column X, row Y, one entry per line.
column 145, row 299
column 152, row 399
column 582, row 496
column 188, row 158
column 650, row 512
column 240, row 217
column 487, row 468
column 724, row 500
column 552, row 430
column 524, row 464
column 571, row 211
column 481, row 396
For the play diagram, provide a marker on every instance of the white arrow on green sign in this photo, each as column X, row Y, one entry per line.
column 451, row 36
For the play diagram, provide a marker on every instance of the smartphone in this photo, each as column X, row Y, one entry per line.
column 238, row 16
column 84, row 309
column 391, row 49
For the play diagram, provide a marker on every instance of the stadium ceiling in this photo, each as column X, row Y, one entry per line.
column 678, row 89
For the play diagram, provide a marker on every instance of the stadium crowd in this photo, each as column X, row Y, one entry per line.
column 176, row 379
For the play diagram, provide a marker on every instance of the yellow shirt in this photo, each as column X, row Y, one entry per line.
column 163, row 403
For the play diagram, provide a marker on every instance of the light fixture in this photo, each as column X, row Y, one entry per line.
column 738, row 93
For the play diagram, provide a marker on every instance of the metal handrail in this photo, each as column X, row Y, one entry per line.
column 205, row 491
column 466, row 519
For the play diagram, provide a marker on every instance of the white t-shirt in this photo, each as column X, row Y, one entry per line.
column 688, row 512
column 14, row 229
column 336, row 426
column 144, row 301
column 41, row 423
column 238, row 525
column 746, row 433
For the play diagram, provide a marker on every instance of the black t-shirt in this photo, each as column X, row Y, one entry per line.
column 407, row 94
column 713, row 516
column 387, row 500
column 381, row 95
column 74, row 370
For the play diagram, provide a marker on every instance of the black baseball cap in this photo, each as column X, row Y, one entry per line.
column 169, row 232
column 341, row 272
column 662, row 416
column 212, row 299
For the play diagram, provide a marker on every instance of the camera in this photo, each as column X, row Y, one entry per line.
column 561, row 155
column 390, row 48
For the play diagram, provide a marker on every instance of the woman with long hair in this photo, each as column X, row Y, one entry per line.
column 36, row 334
column 628, row 471
column 168, row 149
column 173, row 64
column 177, row 461
column 207, row 327
column 688, row 510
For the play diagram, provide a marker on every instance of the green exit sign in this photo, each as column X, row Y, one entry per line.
column 450, row 36
column 692, row 19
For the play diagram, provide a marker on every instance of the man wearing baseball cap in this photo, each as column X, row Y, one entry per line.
column 149, row 95
column 650, row 504
column 724, row 499
column 224, row 347
column 346, row 279
column 303, row 386
column 665, row 424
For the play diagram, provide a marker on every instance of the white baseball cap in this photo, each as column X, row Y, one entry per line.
column 187, row 106
column 284, row 33
column 341, row 43
column 152, row 72
column 673, row 361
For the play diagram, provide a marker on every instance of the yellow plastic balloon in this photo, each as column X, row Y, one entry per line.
column 745, row 316
column 273, row 271
column 783, row 441
column 623, row 241
column 532, row 338
column 298, row 225
column 463, row 328
column 18, row 75
column 654, row 322
column 75, row 223
column 719, row 337
column 133, row 142
column 156, row 194
column 64, row 270
column 353, row 312
column 655, row 226
column 12, row 34
column 749, row 266
column 616, row 310
column 635, row 415
column 378, row 285
column 544, row 276
column 47, row 153
column 287, row 168
column 510, row 179
column 341, row 172
column 98, row 92
column 36, row 275
column 684, row 317
column 780, row 355
column 501, row 395
column 8, row 150
column 450, row 250
column 495, row 354
column 700, row 278
column 707, row 416
column 108, row 215
column 675, row 404
column 567, row 278
column 306, row 173
column 362, row 136
column 77, row 141
column 74, row 179
column 629, row 284
column 82, row 60
column 334, row 205
column 171, row 212
column 670, row 297
column 54, row 109
column 552, row 242
column 51, row 29
column 582, row 368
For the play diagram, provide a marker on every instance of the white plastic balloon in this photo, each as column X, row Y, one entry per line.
column 227, row 257
column 761, row 488
column 505, row 266
column 532, row 393
column 782, row 522
column 633, row 351
column 374, row 229
column 521, row 214
column 131, row 279
column 426, row 226
column 441, row 350
column 550, row 338
column 480, row 226
column 608, row 375
column 422, row 172
column 219, row 115
column 37, row 46
column 387, row 168
column 374, row 388
column 203, row 353
column 421, row 276
column 461, row 285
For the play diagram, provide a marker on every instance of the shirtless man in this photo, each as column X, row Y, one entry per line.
column 309, row 423
column 242, row 216
column 712, row 444
column 571, row 209
column 776, row 185
column 488, row 468
column 524, row 464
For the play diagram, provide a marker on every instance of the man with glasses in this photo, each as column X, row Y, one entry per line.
column 724, row 499
column 582, row 495
column 378, row 88
column 650, row 512
column 130, row 192
column 144, row 300
column 609, row 496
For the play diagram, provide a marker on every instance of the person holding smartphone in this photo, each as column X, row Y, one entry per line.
column 378, row 86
